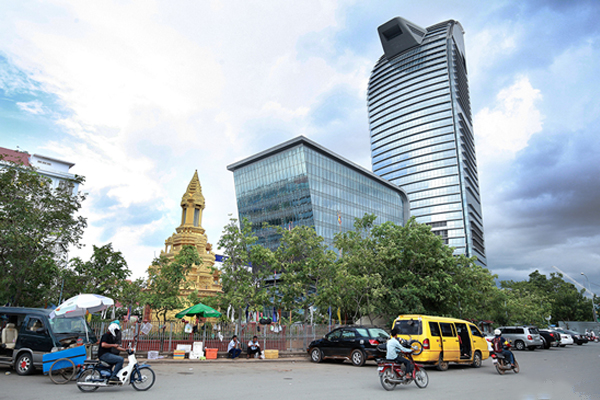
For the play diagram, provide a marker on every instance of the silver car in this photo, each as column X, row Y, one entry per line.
column 522, row 336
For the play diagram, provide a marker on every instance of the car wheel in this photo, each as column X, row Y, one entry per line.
column 563, row 345
column 519, row 345
column 579, row 343
column 442, row 365
column 316, row 355
column 358, row 358
column 24, row 364
column 477, row 360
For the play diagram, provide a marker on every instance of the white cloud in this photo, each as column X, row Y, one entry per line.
column 34, row 107
column 505, row 128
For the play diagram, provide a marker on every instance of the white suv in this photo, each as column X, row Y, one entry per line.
column 522, row 336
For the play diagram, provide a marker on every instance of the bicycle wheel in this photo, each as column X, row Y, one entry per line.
column 88, row 376
column 62, row 371
column 143, row 379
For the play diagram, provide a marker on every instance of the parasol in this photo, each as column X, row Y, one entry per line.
column 200, row 310
column 81, row 304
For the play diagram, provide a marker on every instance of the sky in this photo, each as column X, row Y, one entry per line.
column 140, row 94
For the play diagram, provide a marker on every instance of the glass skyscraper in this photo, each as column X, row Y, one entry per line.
column 422, row 129
column 299, row 182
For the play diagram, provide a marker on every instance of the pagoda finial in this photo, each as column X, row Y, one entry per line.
column 193, row 195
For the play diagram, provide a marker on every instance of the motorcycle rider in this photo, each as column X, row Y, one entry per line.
column 499, row 343
column 394, row 349
column 108, row 342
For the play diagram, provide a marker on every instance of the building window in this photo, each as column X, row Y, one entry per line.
column 196, row 217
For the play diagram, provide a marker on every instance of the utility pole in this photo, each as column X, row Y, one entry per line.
column 594, row 317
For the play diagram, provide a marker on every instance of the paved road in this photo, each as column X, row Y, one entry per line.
column 562, row 373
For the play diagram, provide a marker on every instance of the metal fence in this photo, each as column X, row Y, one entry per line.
column 164, row 338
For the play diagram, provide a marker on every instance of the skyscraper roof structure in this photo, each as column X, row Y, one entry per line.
column 421, row 129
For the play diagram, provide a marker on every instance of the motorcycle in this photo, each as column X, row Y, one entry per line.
column 501, row 362
column 392, row 374
column 96, row 375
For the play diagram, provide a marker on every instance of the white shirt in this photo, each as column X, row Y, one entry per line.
column 232, row 345
column 253, row 345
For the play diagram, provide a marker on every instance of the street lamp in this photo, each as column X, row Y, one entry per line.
column 590, row 290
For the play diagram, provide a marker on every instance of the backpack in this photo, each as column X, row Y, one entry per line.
column 497, row 344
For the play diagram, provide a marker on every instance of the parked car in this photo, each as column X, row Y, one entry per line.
column 29, row 333
column 578, row 338
column 355, row 343
column 565, row 339
column 550, row 338
column 522, row 336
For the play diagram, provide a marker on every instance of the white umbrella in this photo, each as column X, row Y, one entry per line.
column 79, row 305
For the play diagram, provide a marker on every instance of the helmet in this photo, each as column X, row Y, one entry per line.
column 114, row 328
column 497, row 332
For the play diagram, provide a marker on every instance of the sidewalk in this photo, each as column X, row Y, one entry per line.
column 222, row 358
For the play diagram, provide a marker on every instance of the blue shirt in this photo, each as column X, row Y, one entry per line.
column 394, row 348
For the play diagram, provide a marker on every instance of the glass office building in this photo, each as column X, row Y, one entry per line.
column 422, row 129
column 300, row 182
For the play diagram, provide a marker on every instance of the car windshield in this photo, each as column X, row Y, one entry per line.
column 69, row 325
column 377, row 333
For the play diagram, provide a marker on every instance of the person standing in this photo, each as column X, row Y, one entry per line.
column 234, row 347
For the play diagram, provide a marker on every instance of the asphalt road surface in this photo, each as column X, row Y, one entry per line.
column 558, row 373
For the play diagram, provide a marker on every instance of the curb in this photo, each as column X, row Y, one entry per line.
column 223, row 360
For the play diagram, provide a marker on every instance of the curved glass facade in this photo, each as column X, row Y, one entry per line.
column 422, row 132
column 302, row 183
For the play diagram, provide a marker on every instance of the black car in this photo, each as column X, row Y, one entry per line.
column 550, row 338
column 578, row 338
column 355, row 343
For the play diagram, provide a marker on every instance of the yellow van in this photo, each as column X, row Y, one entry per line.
column 444, row 340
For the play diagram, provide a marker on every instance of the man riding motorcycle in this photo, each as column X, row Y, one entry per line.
column 394, row 349
column 108, row 342
column 499, row 343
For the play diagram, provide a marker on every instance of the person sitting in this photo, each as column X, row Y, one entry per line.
column 394, row 350
column 253, row 347
column 499, row 345
column 234, row 347
column 108, row 342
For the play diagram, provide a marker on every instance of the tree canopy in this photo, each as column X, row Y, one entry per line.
column 38, row 223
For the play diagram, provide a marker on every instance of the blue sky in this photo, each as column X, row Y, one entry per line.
column 140, row 94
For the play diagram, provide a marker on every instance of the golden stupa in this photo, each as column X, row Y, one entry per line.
column 201, row 277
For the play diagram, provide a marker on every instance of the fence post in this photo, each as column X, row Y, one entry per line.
column 170, row 335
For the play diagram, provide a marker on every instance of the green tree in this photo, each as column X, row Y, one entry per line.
column 166, row 279
column 561, row 300
column 306, row 266
column 38, row 223
column 131, row 294
column 105, row 274
column 242, row 287
column 356, row 284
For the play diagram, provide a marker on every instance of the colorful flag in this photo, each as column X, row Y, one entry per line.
column 339, row 218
